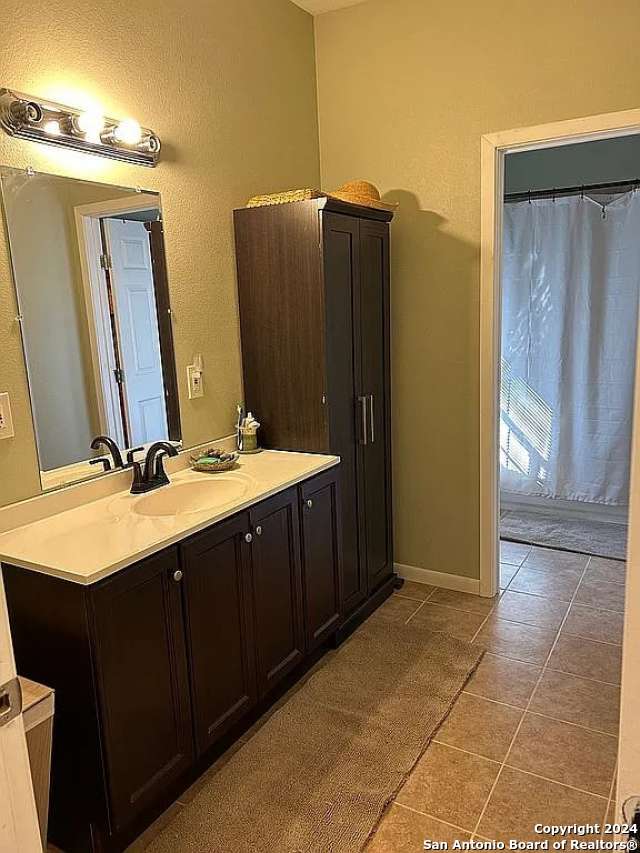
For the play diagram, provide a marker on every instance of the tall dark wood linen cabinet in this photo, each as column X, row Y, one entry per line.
column 313, row 282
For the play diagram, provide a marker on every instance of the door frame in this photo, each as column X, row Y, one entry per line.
column 494, row 148
column 87, row 218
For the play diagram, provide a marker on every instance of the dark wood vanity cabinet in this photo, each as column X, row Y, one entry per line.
column 313, row 284
column 141, row 684
column 156, row 665
column 321, row 557
column 277, row 588
column 219, row 621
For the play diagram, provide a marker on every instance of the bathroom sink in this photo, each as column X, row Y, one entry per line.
column 190, row 497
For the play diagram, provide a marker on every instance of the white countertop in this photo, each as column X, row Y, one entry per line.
column 94, row 540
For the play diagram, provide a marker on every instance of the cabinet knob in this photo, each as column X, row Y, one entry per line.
column 309, row 503
column 177, row 575
column 259, row 530
column 248, row 537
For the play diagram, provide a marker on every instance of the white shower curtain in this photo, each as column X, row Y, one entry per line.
column 570, row 283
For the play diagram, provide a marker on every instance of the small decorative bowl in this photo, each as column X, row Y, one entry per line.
column 214, row 461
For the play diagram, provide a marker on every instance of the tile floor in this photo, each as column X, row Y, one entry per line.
column 533, row 737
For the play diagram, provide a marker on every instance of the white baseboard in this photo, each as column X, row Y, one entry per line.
column 442, row 579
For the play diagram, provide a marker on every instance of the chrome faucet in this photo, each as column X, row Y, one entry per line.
column 152, row 475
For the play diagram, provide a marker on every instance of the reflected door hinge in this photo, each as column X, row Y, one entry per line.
column 105, row 261
column 119, row 375
column 10, row 701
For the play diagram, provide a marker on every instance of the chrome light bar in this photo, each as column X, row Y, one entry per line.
column 46, row 121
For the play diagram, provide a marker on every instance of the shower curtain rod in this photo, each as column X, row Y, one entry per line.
column 557, row 192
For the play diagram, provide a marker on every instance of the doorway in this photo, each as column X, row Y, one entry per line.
column 569, row 306
column 495, row 148
column 126, row 297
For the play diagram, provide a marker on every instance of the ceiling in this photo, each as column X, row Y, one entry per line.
column 316, row 7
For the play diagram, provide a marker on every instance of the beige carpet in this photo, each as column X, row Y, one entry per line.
column 317, row 776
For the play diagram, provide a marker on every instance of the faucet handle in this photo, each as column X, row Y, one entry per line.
column 131, row 458
column 101, row 460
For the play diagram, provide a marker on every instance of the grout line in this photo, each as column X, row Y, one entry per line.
column 519, row 726
column 586, row 677
column 422, row 604
column 608, row 806
column 540, row 714
column 520, row 770
column 432, row 817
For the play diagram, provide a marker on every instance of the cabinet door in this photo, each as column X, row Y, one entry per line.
column 341, row 270
column 321, row 558
column 375, row 397
column 277, row 588
column 219, row 630
column 142, row 684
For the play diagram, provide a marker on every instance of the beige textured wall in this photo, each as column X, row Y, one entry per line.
column 406, row 88
column 230, row 88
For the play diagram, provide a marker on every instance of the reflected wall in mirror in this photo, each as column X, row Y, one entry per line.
column 90, row 276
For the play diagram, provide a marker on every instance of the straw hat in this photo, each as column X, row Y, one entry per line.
column 362, row 192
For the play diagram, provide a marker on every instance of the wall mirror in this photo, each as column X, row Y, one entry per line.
column 91, row 284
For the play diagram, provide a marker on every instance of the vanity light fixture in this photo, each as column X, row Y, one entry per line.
column 47, row 121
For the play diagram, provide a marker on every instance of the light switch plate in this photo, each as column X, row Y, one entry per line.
column 6, row 418
column 195, row 381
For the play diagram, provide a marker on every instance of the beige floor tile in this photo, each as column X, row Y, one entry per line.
column 514, row 553
column 404, row 831
column 588, row 659
column 434, row 785
column 602, row 594
column 192, row 790
column 578, row 700
column 531, row 609
column 519, row 801
column 504, row 680
column 159, row 825
column 397, row 609
column 507, row 574
column 463, row 601
column 565, row 753
column 604, row 626
column 417, row 591
column 448, row 621
column 613, row 571
column 515, row 640
column 559, row 587
column 557, row 562
column 480, row 726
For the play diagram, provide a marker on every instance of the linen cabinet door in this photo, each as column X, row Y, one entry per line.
column 277, row 588
column 375, row 398
column 219, row 628
column 321, row 556
column 341, row 271
column 143, row 687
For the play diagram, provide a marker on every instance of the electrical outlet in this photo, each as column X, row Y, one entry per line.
column 6, row 419
column 195, row 381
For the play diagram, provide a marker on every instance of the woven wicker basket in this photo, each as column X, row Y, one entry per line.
column 284, row 197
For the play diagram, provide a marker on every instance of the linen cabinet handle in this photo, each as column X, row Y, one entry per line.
column 364, row 438
column 371, row 419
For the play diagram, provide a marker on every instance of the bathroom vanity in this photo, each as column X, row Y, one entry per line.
column 166, row 631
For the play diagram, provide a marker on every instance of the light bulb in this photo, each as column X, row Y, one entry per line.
column 91, row 124
column 52, row 128
column 128, row 131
